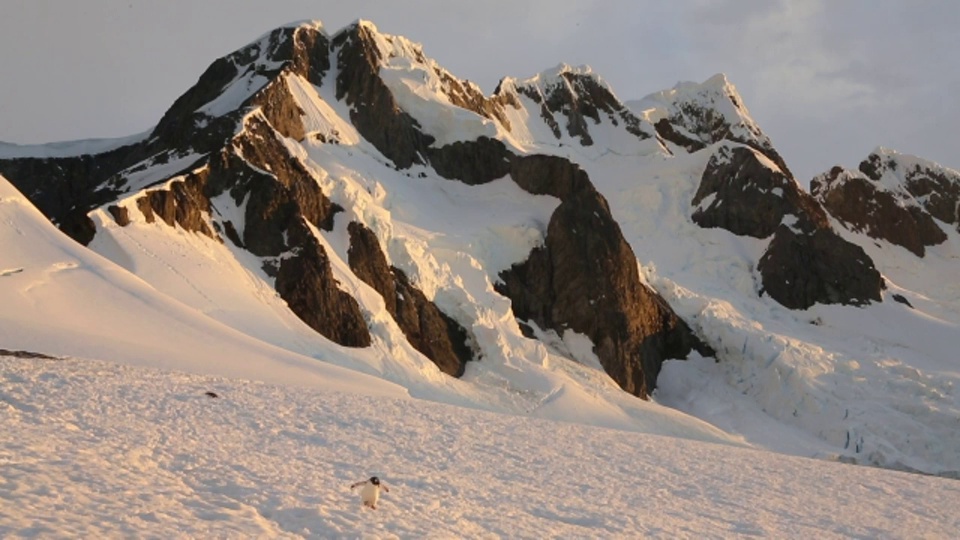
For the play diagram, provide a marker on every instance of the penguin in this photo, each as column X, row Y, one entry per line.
column 370, row 493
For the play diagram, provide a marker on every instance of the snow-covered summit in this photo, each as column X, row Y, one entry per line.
column 561, row 74
column 697, row 114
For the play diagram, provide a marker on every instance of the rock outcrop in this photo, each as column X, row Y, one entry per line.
column 806, row 261
column 374, row 111
column 800, row 269
column 66, row 189
column 306, row 282
column 428, row 329
column 585, row 279
column 743, row 192
column 577, row 95
column 864, row 205
column 933, row 187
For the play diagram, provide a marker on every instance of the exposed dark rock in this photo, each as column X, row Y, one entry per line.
column 78, row 225
column 280, row 110
column 940, row 192
column 428, row 329
column 866, row 207
column 305, row 281
column 232, row 234
column 467, row 96
column 65, row 189
column 701, row 117
column 806, row 262
column 750, row 198
column 472, row 162
column 276, row 199
column 300, row 50
column 374, row 111
column 580, row 97
column 120, row 215
column 183, row 203
column 541, row 174
column 211, row 394
column 799, row 270
column 585, row 279
column 668, row 132
column 310, row 54
column 935, row 188
column 545, row 113
column 26, row 354
column 901, row 299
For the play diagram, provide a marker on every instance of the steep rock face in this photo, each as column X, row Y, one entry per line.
column 374, row 111
column 428, row 329
column 472, row 162
column 802, row 269
column 585, row 279
column 306, row 282
column 468, row 96
column 182, row 203
column 578, row 95
column 277, row 199
column 806, row 262
column 866, row 206
column 934, row 188
column 740, row 191
column 200, row 119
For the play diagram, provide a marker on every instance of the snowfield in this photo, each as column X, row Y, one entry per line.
column 95, row 449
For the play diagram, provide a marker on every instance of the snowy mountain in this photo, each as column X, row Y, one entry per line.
column 338, row 211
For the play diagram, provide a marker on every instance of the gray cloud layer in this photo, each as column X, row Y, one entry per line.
column 826, row 80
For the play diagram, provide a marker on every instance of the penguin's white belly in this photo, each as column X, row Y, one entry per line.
column 370, row 494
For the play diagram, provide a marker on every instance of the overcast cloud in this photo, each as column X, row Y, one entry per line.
column 827, row 80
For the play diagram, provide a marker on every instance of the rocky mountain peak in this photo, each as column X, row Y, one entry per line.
column 931, row 186
column 576, row 94
column 894, row 197
column 209, row 112
column 806, row 261
column 693, row 115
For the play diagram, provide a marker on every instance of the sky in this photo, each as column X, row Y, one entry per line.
column 827, row 81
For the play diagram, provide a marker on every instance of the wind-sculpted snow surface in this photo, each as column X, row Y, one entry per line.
column 93, row 449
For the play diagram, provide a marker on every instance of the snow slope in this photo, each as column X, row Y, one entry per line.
column 878, row 385
column 93, row 449
column 60, row 298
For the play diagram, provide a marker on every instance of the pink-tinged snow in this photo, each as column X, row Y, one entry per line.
column 59, row 297
column 716, row 94
column 94, row 449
